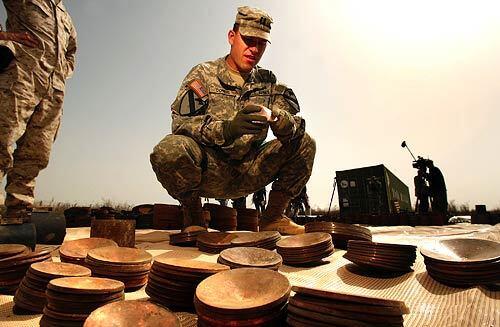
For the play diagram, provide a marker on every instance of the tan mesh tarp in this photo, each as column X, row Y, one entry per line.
column 430, row 303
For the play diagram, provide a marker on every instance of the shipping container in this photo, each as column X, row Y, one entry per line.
column 371, row 190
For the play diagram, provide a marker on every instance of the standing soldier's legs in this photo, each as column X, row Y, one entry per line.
column 33, row 151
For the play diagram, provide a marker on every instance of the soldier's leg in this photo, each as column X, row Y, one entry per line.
column 33, row 151
column 16, row 108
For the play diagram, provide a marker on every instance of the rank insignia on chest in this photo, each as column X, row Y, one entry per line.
column 194, row 100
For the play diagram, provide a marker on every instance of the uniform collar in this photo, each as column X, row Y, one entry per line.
column 225, row 77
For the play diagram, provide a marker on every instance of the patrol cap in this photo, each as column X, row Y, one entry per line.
column 254, row 22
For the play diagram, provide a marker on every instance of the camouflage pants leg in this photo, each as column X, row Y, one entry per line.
column 31, row 122
column 183, row 166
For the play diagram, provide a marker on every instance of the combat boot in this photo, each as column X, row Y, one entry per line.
column 274, row 219
column 192, row 211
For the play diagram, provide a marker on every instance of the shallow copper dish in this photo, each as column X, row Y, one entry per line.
column 78, row 249
column 462, row 250
column 8, row 250
column 85, row 285
column 255, row 238
column 50, row 270
column 303, row 240
column 119, row 255
column 336, row 296
column 251, row 257
column 132, row 313
column 189, row 265
column 242, row 290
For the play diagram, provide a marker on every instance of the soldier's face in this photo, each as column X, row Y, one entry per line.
column 245, row 52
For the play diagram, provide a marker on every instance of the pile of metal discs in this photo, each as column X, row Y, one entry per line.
column 248, row 219
column 15, row 260
column 76, row 251
column 381, row 256
column 132, row 313
column 341, row 233
column 221, row 217
column 128, row 265
column 242, row 297
column 215, row 242
column 312, row 307
column 31, row 292
column 70, row 300
column 463, row 262
column 172, row 281
column 187, row 237
column 305, row 248
column 246, row 257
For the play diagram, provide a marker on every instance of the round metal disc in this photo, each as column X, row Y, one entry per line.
column 78, row 249
column 58, row 269
column 304, row 240
column 132, row 313
column 120, row 255
column 7, row 250
column 189, row 265
column 244, row 289
column 462, row 250
column 256, row 237
column 85, row 285
column 251, row 257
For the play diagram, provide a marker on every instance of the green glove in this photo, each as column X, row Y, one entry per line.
column 246, row 121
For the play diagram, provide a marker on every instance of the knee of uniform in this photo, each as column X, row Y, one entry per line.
column 308, row 146
column 172, row 150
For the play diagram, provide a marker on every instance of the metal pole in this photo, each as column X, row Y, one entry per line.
column 331, row 199
column 404, row 145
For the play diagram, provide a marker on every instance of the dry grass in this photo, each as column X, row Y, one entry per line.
column 61, row 206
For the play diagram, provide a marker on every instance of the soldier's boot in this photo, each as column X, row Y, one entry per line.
column 273, row 218
column 192, row 211
column 16, row 216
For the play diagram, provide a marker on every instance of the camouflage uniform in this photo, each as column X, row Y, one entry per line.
column 32, row 92
column 197, row 159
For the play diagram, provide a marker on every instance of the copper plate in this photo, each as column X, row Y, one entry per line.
column 120, row 255
column 366, row 300
column 244, row 289
column 189, row 265
column 251, row 257
column 78, row 249
column 132, row 313
column 23, row 258
column 50, row 270
column 389, row 246
column 255, row 237
column 462, row 250
column 378, row 264
column 8, row 250
column 82, row 298
column 85, row 285
column 303, row 240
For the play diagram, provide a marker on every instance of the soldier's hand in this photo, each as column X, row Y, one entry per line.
column 246, row 121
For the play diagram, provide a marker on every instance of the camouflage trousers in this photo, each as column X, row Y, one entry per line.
column 185, row 167
column 30, row 114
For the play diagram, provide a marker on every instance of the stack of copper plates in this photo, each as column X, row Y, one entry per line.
column 167, row 216
column 248, row 219
column 187, row 237
column 76, row 251
column 14, row 262
column 128, row 265
column 215, row 242
column 132, row 313
column 463, row 262
column 246, row 257
column 31, row 292
column 312, row 307
column 70, row 300
column 172, row 281
column 221, row 217
column 381, row 256
column 341, row 233
column 305, row 248
column 242, row 297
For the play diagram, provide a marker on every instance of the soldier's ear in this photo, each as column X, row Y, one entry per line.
column 231, row 35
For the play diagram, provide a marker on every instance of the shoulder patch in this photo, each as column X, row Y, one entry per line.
column 291, row 99
column 198, row 89
column 194, row 100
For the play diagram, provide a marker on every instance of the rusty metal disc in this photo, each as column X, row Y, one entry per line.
column 78, row 249
column 82, row 298
column 350, row 298
column 243, row 290
column 120, row 255
column 8, row 250
column 303, row 240
column 255, row 238
column 85, row 285
column 189, row 265
column 50, row 270
column 463, row 250
column 132, row 313
column 251, row 257
column 24, row 258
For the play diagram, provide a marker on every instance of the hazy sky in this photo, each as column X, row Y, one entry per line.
column 368, row 75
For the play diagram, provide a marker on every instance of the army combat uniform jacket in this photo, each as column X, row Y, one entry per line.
column 32, row 92
column 202, row 115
